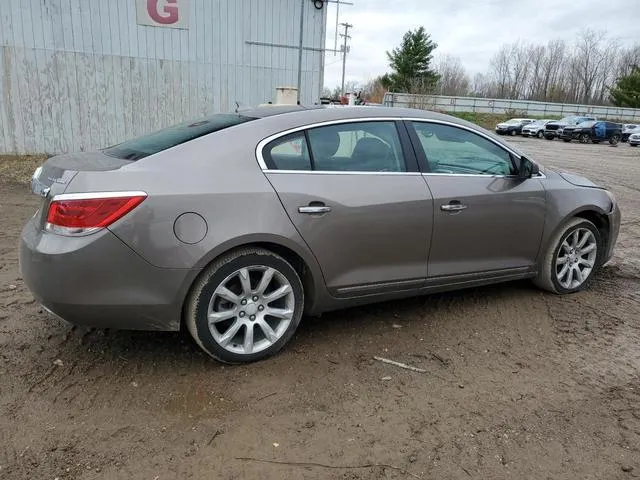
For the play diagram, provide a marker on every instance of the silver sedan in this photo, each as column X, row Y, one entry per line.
column 237, row 225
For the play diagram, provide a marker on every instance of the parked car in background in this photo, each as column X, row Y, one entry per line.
column 513, row 126
column 634, row 139
column 628, row 129
column 285, row 211
column 535, row 128
column 592, row 131
column 554, row 129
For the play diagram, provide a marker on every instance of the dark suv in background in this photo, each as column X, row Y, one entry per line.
column 592, row 131
column 554, row 129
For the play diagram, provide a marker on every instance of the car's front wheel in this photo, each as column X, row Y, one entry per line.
column 540, row 134
column 572, row 258
column 513, row 133
column 246, row 306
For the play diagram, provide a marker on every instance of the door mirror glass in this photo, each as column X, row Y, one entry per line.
column 528, row 168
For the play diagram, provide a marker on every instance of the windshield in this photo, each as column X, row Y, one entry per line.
column 155, row 142
column 587, row 124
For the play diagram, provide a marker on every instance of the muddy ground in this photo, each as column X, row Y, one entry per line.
column 519, row 383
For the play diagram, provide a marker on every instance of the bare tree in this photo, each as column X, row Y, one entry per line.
column 519, row 66
column 500, row 67
column 590, row 57
column 453, row 78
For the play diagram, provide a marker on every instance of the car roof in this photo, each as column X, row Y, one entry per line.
column 323, row 112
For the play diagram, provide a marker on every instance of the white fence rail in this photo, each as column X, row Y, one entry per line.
column 494, row 105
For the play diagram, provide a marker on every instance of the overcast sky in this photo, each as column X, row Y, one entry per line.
column 471, row 29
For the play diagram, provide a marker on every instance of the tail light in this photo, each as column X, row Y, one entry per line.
column 85, row 213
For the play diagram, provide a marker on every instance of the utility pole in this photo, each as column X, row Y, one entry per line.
column 300, row 48
column 346, row 36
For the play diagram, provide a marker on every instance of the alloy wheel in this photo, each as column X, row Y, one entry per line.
column 251, row 309
column 576, row 258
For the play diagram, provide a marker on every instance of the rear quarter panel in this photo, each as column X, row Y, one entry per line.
column 216, row 176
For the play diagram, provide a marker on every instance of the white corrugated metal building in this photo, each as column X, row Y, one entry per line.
column 85, row 74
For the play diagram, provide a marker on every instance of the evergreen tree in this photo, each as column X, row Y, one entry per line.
column 626, row 92
column 410, row 63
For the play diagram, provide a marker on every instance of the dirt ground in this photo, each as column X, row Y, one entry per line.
column 519, row 383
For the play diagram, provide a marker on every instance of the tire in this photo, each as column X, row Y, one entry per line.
column 596, row 141
column 584, row 138
column 540, row 134
column 566, row 140
column 247, row 308
column 614, row 140
column 548, row 274
column 633, row 144
column 513, row 133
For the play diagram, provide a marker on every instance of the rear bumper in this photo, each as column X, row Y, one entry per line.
column 98, row 281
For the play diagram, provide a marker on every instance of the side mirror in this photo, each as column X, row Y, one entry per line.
column 527, row 168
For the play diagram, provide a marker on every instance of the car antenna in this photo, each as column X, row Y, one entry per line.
column 237, row 106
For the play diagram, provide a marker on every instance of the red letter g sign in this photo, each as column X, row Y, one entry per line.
column 170, row 11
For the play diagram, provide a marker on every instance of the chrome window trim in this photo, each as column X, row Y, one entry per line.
column 92, row 195
column 338, row 172
column 263, row 143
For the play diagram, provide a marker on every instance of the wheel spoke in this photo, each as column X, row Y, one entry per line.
column 562, row 260
column 267, row 276
column 228, row 295
column 578, row 274
column 230, row 333
column 574, row 238
column 248, row 338
column 268, row 331
column 565, row 246
column 588, row 249
column 245, row 282
column 569, row 277
column 585, row 262
column 276, row 294
column 283, row 313
column 215, row 317
column 585, row 237
column 563, row 271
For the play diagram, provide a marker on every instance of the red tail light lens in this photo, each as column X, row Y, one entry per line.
column 80, row 214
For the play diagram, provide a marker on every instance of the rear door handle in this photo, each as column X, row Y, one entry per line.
column 453, row 207
column 310, row 210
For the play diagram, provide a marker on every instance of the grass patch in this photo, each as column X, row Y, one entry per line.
column 19, row 168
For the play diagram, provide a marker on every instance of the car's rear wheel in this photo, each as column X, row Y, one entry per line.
column 246, row 306
column 540, row 134
column 614, row 139
column 572, row 258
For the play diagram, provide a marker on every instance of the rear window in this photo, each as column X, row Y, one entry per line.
column 155, row 142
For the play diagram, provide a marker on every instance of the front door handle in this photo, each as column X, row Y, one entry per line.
column 453, row 207
column 314, row 209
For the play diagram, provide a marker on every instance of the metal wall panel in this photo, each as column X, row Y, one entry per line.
column 80, row 75
column 493, row 105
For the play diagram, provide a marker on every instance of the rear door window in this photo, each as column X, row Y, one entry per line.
column 357, row 147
